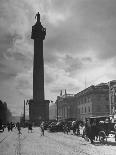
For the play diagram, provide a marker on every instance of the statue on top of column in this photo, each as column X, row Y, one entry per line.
column 38, row 31
column 38, row 17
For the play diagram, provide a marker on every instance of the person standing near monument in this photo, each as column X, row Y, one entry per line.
column 30, row 127
column 115, row 130
column 42, row 128
column 18, row 128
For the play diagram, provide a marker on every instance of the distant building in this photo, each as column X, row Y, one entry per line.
column 66, row 108
column 5, row 113
column 52, row 112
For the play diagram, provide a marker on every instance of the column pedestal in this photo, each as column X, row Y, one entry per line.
column 39, row 112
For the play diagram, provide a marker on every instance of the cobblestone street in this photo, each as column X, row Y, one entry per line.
column 50, row 144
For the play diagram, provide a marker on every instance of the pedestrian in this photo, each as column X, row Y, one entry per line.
column 88, row 130
column 115, row 130
column 30, row 127
column 42, row 128
column 74, row 127
column 11, row 126
column 66, row 128
column 8, row 126
column 19, row 128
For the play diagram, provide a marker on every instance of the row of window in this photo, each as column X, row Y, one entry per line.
column 84, row 110
column 63, row 112
column 83, row 100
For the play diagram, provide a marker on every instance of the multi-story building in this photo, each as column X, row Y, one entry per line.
column 112, row 96
column 52, row 112
column 5, row 113
column 66, row 106
column 92, row 101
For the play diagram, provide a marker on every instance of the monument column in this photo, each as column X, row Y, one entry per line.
column 39, row 108
column 38, row 34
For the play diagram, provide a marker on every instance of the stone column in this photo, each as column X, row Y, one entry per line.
column 39, row 108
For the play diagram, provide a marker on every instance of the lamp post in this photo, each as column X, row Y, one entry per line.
column 24, row 114
column 57, row 110
column 110, row 108
column 113, row 99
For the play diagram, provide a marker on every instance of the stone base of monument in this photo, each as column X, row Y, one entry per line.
column 39, row 112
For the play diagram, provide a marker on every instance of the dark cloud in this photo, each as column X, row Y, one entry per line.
column 2, row 66
column 99, row 23
column 72, row 64
column 49, row 78
column 69, row 87
column 5, row 43
column 23, row 84
column 87, row 59
column 24, row 60
column 91, row 25
column 50, row 57
column 61, row 6
column 7, row 75
column 56, row 90
column 66, row 39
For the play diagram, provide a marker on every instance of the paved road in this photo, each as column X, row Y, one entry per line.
column 51, row 144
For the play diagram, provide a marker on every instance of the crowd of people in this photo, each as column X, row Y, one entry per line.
column 10, row 126
column 88, row 129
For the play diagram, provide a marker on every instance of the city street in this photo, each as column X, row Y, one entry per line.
column 11, row 143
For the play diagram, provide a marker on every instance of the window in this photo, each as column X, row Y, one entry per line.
column 107, row 98
column 107, row 107
column 85, row 109
column 82, row 109
column 85, row 99
column 79, row 111
column 89, row 99
column 78, row 102
column 88, row 109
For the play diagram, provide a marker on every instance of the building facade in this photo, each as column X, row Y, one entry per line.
column 92, row 101
column 53, row 112
column 66, row 107
column 112, row 96
column 5, row 114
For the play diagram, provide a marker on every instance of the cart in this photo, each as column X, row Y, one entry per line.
column 101, row 127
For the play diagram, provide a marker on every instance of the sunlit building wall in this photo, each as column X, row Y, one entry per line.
column 92, row 101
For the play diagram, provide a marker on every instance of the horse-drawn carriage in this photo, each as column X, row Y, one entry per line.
column 99, row 127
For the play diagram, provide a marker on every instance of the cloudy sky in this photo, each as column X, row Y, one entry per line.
column 80, row 46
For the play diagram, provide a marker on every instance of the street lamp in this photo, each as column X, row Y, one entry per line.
column 57, row 110
column 24, row 114
column 110, row 108
column 112, row 88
